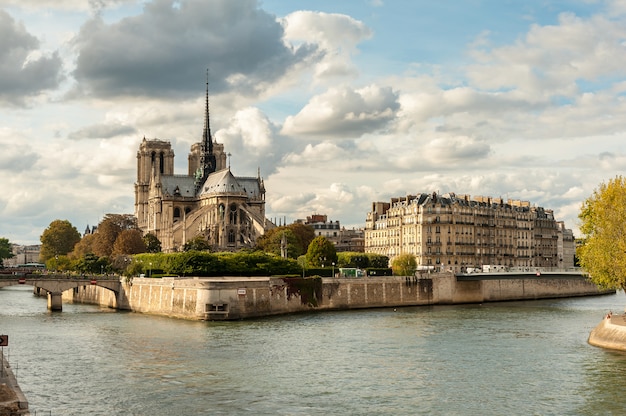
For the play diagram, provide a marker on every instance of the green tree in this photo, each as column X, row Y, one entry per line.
column 58, row 239
column 198, row 243
column 353, row 259
column 153, row 244
column 304, row 233
column 404, row 265
column 377, row 261
column 298, row 236
column 272, row 242
column 91, row 263
column 321, row 252
column 603, row 221
column 5, row 250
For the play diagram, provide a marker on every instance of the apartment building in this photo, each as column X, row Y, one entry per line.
column 343, row 239
column 456, row 233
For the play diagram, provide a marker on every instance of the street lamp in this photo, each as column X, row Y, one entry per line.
column 150, row 270
column 333, row 269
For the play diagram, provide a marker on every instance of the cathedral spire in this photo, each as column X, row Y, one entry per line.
column 207, row 158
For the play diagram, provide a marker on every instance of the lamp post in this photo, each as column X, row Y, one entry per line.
column 150, row 270
column 333, row 269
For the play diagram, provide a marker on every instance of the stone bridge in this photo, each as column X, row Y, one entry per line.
column 55, row 285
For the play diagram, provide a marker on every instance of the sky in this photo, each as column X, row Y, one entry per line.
column 337, row 104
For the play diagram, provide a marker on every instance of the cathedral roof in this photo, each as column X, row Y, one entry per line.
column 177, row 185
column 222, row 182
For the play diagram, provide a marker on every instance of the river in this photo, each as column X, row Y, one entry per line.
column 514, row 358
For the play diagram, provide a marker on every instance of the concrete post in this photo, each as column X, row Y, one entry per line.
column 55, row 301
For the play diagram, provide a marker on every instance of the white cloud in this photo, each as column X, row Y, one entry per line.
column 337, row 34
column 344, row 112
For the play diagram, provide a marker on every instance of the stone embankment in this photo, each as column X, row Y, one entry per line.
column 12, row 400
column 610, row 333
column 231, row 298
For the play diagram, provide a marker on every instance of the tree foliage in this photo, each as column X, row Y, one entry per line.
column 108, row 230
column 58, row 239
column 92, row 264
column 5, row 250
column 83, row 247
column 59, row 264
column 153, row 244
column 404, row 265
column 603, row 225
column 298, row 237
column 378, row 260
column 321, row 252
column 202, row 263
column 353, row 259
column 129, row 242
column 198, row 243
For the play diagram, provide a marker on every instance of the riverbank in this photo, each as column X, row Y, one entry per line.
column 610, row 333
column 12, row 400
column 234, row 298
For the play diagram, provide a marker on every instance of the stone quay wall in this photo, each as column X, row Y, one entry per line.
column 230, row 298
column 12, row 399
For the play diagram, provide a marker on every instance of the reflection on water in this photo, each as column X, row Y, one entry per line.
column 503, row 358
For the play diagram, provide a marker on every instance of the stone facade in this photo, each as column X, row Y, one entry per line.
column 456, row 233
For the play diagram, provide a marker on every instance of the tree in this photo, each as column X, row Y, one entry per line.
column 321, row 252
column 198, row 243
column 59, row 263
column 108, row 230
column 84, row 246
column 5, row 250
column 304, row 233
column 58, row 239
column 272, row 242
column 153, row 244
column 603, row 221
column 298, row 236
column 129, row 242
column 353, row 259
column 377, row 261
column 404, row 265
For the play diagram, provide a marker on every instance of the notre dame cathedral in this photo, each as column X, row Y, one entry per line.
column 228, row 211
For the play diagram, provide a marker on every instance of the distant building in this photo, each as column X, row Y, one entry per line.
column 23, row 255
column 343, row 239
column 226, row 210
column 450, row 232
column 566, row 246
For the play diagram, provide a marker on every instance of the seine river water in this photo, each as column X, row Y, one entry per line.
column 514, row 358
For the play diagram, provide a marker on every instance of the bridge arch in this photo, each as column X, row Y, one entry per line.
column 55, row 285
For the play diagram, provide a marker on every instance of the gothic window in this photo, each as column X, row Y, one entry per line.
column 161, row 162
column 176, row 213
column 231, row 236
column 233, row 213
